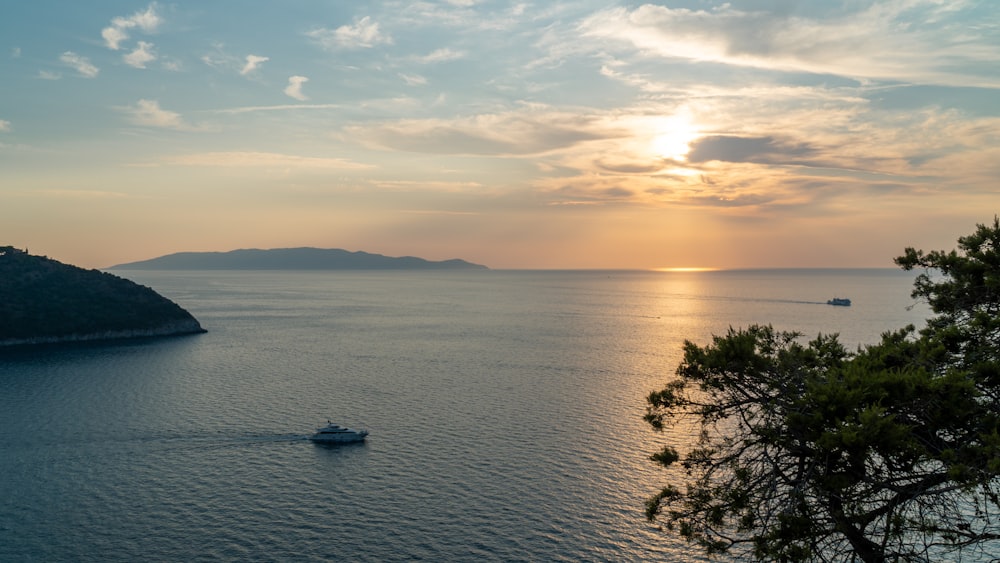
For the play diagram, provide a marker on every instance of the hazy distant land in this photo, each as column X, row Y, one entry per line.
column 45, row 301
column 292, row 259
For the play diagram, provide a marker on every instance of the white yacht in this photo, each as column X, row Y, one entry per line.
column 334, row 433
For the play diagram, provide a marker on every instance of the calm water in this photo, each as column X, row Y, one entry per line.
column 504, row 407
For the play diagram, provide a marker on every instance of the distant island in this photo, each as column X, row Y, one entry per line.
column 44, row 301
column 292, row 259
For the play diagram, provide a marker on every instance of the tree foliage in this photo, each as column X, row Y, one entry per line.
column 804, row 451
column 41, row 298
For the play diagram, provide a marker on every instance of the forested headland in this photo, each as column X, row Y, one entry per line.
column 44, row 301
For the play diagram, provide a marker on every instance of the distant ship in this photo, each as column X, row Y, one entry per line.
column 839, row 302
column 336, row 434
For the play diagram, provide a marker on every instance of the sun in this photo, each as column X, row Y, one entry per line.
column 674, row 135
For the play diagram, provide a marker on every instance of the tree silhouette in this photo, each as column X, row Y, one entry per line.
column 808, row 452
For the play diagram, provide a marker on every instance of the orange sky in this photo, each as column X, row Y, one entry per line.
column 562, row 135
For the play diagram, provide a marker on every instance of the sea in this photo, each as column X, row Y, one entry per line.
column 504, row 408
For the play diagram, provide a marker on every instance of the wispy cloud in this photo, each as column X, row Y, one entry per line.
column 253, row 62
column 436, row 185
column 171, row 64
column 219, row 58
column 783, row 157
column 63, row 194
column 147, row 21
column 441, row 55
column 913, row 39
column 15, row 53
column 294, row 88
column 242, row 159
column 283, row 107
column 81, row 64
column 763, row 150
column 142, row 54
column 413, row 79
column 4, row 125
column 529, row 131
column 49, row 75
column 149, row 113
column 457, row 15
column 364, row 33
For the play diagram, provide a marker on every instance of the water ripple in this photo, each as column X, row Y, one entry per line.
column 505, row 416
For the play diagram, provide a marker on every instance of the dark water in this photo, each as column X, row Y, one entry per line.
column 504, row 407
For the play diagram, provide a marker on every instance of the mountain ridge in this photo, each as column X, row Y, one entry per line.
column 298, row 258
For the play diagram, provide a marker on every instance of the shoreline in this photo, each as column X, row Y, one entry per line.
column 179, row 328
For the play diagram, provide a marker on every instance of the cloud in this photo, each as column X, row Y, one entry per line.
column 15, row 53
column 172, row 64
column 147, row 21
column 48, row 75
column 63, row 194
column 468, row 16
column 284, row 107
column 526, row 132
column 221, row 59
column 623, row 165
column 441, row 55
column 915, row 40
column 294, row 88
column 4, row 125
column 218, row 60
column 763, row 150
column 363, row 34
column 436, row 185
column 142, row 54
column 413, row 79
column 815, row 153
column 149, row 113
column 241, row 159
column 735, row 200
column 81, row 64
column 253, row 63
column 113, row 36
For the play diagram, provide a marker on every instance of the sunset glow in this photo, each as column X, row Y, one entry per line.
column 675, row 136
column 564, row 135
column 687, row 269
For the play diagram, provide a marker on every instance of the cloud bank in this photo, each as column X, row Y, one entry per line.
column 841, row 41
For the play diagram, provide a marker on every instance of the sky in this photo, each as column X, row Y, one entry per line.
column 558, row 134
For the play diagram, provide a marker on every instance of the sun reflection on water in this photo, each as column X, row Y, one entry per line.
column 686, row 269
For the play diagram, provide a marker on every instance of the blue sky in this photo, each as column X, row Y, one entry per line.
column 518, row 135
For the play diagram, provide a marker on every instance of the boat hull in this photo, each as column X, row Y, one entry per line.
column 336, row 434
column 345, row 439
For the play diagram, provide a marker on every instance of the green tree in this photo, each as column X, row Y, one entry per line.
column 963, row 288
column 803, row 451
